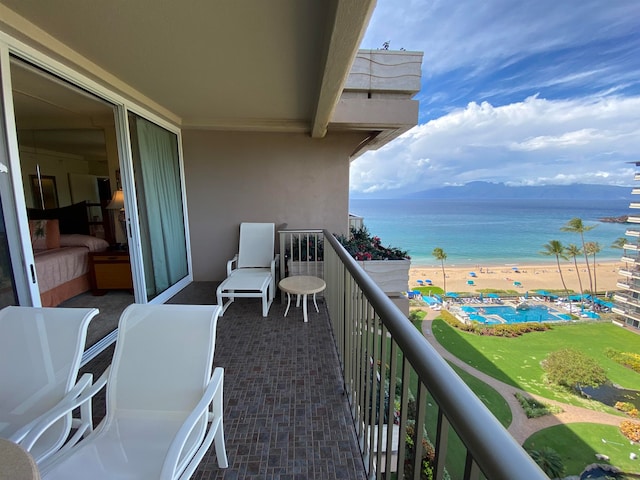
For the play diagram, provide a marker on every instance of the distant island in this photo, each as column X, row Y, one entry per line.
column 500, row 191
column 620, row 219
column 485, row 190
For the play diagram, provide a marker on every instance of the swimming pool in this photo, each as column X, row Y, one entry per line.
column 508, row 314
column 430, row 300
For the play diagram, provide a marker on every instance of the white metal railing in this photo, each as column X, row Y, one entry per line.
column 301, row 253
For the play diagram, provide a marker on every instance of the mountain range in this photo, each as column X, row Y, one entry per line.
column 488, row 190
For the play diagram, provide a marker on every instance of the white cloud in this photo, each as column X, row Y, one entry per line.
column 481, row 59
column 533, row 142
column 462, row 33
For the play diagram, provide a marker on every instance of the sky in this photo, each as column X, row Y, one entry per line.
column 525, row 93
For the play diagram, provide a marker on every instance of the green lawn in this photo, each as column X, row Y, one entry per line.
column 516, row 361
column 577, row 444
column 490, row 397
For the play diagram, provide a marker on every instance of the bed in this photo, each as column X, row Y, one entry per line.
column 61, row 245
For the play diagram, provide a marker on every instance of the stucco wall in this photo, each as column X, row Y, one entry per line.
column 288, row 179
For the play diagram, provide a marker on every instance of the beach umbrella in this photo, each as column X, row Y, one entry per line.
column 420, row 282
column 526, row 294
column 451, row 294
column 427, row 281
column 472, row 274
column 544, row 293
column 515, row 269
column 493, row 295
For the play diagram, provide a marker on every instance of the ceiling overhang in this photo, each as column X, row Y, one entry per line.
column 243, row 65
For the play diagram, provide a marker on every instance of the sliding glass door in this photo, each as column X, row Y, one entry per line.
column 161, row 216
column 16, row 286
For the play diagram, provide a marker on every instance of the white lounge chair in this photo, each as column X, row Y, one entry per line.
column 164, row 407
column 41, row 349
column 252, row 271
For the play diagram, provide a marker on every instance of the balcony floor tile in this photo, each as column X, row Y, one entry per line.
column 285, row 413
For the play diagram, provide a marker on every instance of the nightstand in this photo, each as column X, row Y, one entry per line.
column 110, row 270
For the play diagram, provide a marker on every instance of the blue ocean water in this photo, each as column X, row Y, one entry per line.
column 492, row 232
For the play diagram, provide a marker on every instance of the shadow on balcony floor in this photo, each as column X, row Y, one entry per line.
column 285, row 413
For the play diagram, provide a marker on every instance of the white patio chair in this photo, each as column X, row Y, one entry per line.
column 164, row 407
column 40, row 350
column 252, row 271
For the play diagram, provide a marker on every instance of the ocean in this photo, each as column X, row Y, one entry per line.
column 491, row 232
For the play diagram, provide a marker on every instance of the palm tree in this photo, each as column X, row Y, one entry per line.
column 573, row 251
column 619, row 242
column 555, row 248
column 439, row 254
column 576, row 225
column 593, row 248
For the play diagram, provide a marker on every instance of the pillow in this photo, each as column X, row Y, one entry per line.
column 45, row 234
column 94, row 244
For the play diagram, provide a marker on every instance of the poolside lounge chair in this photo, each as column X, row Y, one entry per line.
column 41, row 352
column 164, row 406
column 252, row 271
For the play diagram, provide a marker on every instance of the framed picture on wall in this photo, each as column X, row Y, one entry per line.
column 45, row 192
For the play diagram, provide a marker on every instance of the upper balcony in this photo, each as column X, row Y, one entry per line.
column 378, row 93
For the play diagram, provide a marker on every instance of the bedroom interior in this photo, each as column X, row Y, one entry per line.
column 70, row 171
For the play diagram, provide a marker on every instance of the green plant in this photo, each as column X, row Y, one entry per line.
column 628, row 408
column 533, row 408
column 548, row 460
column 428, row 456
column 572, row 368
column 628, row 359
column 306, row 247
column 361, row 245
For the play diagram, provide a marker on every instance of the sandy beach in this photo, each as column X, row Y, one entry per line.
column 530, row 277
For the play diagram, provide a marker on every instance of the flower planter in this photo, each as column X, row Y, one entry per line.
column 392, row 276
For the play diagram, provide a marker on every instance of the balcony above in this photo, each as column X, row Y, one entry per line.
column 380, row 73
column 378, row 93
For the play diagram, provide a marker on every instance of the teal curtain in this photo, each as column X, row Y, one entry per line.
column 159, row 196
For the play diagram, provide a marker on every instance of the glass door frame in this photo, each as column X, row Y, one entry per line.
column 131, row 208
column 26, row 285
column 13, row 199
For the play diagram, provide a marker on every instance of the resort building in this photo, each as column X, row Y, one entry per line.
column 627, row 299
column 157, row 128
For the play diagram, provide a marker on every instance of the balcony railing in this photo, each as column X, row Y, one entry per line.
column 395, row 381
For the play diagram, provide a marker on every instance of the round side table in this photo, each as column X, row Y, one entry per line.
column 16, row 463
column 302, row 285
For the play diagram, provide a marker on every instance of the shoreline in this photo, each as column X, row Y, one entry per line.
column 529, row 275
